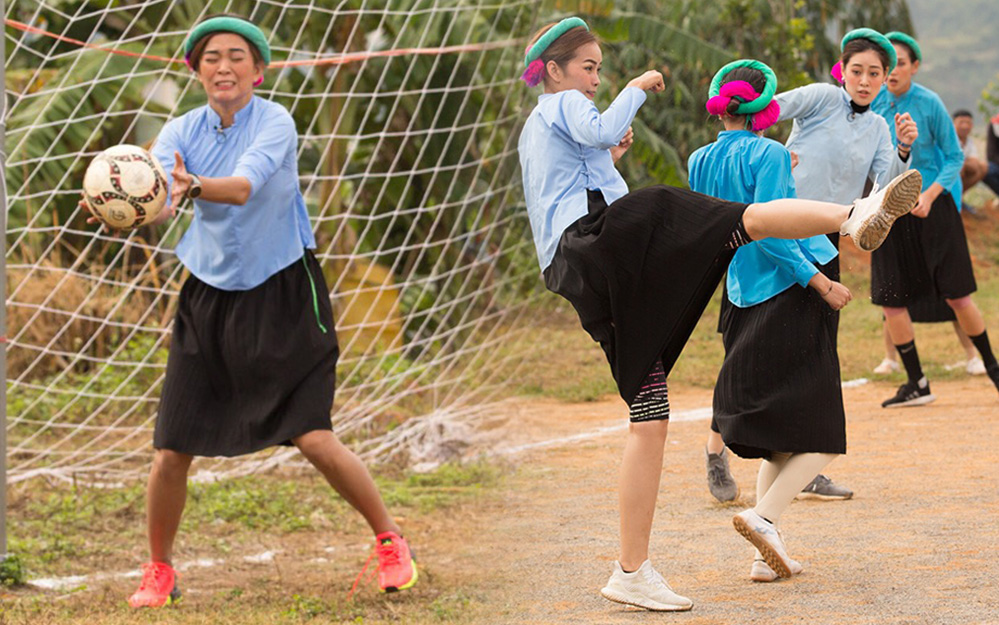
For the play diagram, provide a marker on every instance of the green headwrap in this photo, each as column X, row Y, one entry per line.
column 907, row 40
column 874, row 36
column 753, row 106
column 556, row 31
column 246, row 29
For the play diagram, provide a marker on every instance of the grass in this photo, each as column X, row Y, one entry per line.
column 61, row 531
column 565, row 364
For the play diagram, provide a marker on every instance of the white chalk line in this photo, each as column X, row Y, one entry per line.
column 697, row 414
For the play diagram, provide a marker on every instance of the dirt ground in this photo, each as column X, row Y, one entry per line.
column 919, row 542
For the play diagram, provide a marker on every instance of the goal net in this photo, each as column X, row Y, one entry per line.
column 408, row 113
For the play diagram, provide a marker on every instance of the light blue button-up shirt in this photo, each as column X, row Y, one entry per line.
column 937, row 151
column 742, row 167
column 236, row 248
column 838, row 150
column 564, row 150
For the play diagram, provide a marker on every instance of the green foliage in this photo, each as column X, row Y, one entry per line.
column 12, row 571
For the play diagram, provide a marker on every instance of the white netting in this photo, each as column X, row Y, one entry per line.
column 407, row 113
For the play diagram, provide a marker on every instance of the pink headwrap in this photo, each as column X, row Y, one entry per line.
column 744, row 92
column 837, row 72
column 534, row 73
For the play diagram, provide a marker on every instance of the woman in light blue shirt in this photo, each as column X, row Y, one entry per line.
column 775, row 398
column 927, row 258
column 640, row 267
column 253, row 353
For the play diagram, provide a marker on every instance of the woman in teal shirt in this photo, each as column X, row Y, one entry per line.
column 926, row 257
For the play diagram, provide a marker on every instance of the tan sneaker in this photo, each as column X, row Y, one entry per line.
column 872, row 217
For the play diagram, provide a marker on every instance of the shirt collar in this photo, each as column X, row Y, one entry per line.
column 214, row 121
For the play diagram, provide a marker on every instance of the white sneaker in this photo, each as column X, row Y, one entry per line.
column 764, row 537
column 887, row 366
column 976, row 366
column 761, row 571
column 644, row 588
column 872, row 216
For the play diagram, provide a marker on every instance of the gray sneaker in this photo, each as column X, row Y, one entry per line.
column 720, row 481
column 824, row 488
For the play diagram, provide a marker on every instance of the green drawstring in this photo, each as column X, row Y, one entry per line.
column 315, row 297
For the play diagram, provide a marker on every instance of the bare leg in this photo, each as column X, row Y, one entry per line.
column 890, row 352
column 348, row 476
column 899, row 325
column 639, row 488
column 166, row 494
column 968, row 315
column 797, row 472
column 793, row 219
column 969, row 347
column 715, row 444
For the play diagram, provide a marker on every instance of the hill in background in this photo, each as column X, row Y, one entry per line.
column 958, row 39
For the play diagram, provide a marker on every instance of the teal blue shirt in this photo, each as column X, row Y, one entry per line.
column 236, row 248
column 742, row 167
column 937, row 152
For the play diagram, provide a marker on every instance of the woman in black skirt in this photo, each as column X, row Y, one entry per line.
column 778, row 395
column 253, row 355
column 927, row 256
column 639, row 268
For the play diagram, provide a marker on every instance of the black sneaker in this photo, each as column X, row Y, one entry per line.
column 911, row 394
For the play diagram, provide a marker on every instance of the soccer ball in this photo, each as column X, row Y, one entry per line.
column 125, row 187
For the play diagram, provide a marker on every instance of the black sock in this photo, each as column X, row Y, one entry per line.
column 910, row 358
column 981, row 343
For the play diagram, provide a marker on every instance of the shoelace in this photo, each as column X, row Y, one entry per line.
column 361, row 574
column 150, row 573
column 653, row 577
column 388, row 554
column 717, row 475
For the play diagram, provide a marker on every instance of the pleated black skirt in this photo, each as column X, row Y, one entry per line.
column 923, row 260
column 779, row 387
column 249, row 369
column 640, row 272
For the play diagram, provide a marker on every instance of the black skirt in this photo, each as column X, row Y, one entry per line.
column 249, row 369
column 923, row 259
column 779, row 387
column 640, row 273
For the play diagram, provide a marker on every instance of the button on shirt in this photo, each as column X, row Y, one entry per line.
column 564, row 150
column 742, row 167
column 937, row 151
column 837, row 148
column 230, row 247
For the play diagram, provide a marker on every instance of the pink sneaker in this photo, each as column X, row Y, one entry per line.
column 158, row 587
column 396, row 566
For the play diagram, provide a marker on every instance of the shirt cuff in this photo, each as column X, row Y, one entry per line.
column 804, row 273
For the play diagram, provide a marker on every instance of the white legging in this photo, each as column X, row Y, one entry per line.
column 782, row 477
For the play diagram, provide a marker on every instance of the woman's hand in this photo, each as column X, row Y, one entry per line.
column 794, row 160
column 618, row 150
column 906, row 130
column 926, row 199
column 833, row 293
column 181, row 184
column 651, row 80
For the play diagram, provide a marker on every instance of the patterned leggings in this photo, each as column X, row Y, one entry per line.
column 652, row 401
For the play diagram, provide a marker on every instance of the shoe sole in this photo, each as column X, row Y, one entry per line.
column 610, row 595
column 820, row 497
column 900, row 198
column 919, row 401
column 769, row 555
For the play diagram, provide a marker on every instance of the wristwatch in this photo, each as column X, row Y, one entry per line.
column 195, row 189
